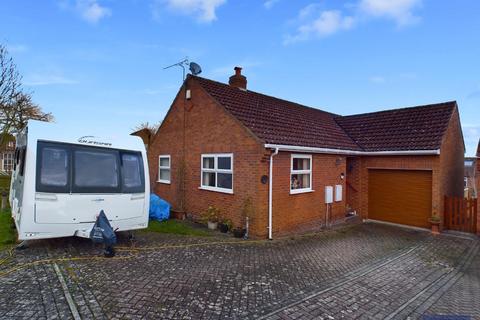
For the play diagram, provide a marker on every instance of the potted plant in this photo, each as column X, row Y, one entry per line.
column 210, row 216
column 435, row 223
column 225, row 225
column 239, row 232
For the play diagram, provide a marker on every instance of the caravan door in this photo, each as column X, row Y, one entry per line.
column 75, row 182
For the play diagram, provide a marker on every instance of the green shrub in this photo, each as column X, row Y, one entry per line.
column 7, row 233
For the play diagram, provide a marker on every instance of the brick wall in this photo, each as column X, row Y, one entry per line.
column 452, row 162
column 402, row 163
column 477, row 177
column 306, row 211
column 447, row 169
column 209, row 129
column 452, row 159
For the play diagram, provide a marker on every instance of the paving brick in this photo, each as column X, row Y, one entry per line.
column 360, row 272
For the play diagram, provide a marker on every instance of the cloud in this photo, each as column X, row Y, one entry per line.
column 89, row 10
column 203, row 10
column 92, row 12
column 270, row 3
column 315, row 22
column 325, row 24
column 308, row 11
column 378, row 79
column 37, row 79
column 408, row 75
column 399, row 10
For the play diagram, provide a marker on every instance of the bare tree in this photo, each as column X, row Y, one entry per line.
column 16, row 105
column 10, row 79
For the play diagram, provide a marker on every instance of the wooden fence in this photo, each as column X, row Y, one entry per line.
column 461, row 214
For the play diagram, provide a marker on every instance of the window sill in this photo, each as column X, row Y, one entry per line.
column 228, row 191
column 298, row 191
column 163, row 181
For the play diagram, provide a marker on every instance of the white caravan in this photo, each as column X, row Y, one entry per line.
column 61, row 182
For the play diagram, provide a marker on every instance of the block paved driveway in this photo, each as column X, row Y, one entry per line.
column 357, row 272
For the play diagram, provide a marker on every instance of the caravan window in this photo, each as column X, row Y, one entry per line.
column 64, row 168
column 53, row 169
column 95, row 170
column 132, row 172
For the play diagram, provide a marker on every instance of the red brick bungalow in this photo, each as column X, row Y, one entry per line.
column 227, row 146
column 477, row 174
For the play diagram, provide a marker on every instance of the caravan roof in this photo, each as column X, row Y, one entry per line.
column 47, row 131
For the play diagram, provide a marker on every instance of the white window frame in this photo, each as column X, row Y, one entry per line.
column 292, row 172
column 160, row 167
column 8, row 161
column 216, row 171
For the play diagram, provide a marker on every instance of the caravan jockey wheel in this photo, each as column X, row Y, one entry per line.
column 109, row 252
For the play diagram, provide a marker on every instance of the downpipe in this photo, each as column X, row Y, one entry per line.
column 270, row 188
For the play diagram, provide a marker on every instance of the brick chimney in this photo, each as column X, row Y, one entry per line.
column 238, row 80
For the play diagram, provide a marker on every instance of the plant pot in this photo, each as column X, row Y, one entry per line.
column 223, row 227
column 177, row 215
column 239, row 232
column 435, row 227
column 212, row 225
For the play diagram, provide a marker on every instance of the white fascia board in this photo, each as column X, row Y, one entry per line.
column 351, row 152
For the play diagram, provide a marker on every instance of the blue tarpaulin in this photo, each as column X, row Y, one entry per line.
column 159, row 208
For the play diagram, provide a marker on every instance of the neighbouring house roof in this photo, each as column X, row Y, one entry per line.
column 469, row 167
column 478, row 149
column 145, row 134
column 281, row 122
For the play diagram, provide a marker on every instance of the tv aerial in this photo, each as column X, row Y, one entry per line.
column 194, row 68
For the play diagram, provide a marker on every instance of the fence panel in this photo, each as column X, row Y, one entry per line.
column 461, row 214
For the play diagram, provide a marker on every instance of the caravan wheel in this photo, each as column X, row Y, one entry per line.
column 109, row 252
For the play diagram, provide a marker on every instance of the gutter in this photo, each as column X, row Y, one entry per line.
column 280, row 147
column 270, row 194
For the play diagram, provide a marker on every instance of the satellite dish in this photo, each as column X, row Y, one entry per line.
column 195, row 68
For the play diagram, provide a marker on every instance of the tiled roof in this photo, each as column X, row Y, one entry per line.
column 277, row 121
column 414, row 128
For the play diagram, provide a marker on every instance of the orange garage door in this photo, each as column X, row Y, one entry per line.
column 400, row 196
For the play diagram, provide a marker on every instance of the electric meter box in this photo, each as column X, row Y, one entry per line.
column 338, row 192
column 328, row 194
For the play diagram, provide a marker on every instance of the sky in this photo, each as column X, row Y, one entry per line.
column 97, row 65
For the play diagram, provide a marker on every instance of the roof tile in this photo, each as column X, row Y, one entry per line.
column 413, row 128
column 277, row 121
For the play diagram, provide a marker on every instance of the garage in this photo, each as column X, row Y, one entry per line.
column 400, row 196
